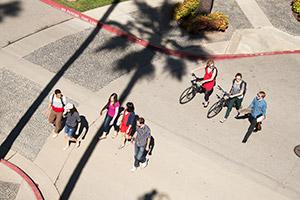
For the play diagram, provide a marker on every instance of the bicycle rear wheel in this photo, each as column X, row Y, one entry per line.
column 187, row 95
column 215, row 108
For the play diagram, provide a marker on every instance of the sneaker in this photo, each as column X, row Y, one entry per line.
column 143, row 165
column 133, row 169
column 205, row 104
column 102, row 137
column 55, row 135
column 223, row 120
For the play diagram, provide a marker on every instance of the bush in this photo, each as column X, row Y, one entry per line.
column 296, row 6
column 215, row 21
column 185, row 9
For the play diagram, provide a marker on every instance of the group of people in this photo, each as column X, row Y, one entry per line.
column 131, row 126
column 256, row 110
column 126, row 122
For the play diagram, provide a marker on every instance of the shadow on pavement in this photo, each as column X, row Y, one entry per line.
column 140, row 62
column 10, row 9
column 154, row 195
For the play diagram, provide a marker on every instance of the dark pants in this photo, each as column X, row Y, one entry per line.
column 207, row 93
column 106, row 123
column 253, row 124
column 139, row 155
column 233, row 102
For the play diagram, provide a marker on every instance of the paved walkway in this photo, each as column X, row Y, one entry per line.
column 195, row 159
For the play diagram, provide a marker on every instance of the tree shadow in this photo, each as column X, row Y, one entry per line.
column 10, row 9
column 15, row 132
column 140, row 62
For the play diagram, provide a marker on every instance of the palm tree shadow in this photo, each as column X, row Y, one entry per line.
column 155, row 23
column 10, row 9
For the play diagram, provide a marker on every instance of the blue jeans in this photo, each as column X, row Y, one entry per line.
column 139, row 155
column 69, row 131
column 106, row 123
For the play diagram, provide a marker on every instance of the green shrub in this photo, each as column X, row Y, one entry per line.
column 215, row 21
column 185, row 9
column 296, row 6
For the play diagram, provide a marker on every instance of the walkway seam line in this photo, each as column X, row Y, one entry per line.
column 146, row 44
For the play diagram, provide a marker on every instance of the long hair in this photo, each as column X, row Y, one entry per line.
column 209, row 62
column 73, row 110
column 115, row 96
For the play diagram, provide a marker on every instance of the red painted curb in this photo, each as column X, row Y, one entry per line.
column 164, row 50
column 29, row 181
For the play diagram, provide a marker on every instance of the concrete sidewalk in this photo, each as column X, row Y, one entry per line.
column 194, row 159
column 20, row 18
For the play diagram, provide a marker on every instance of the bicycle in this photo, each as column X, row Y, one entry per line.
column 218, row 106
column 189, row 93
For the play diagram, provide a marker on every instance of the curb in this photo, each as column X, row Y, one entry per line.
column 161, row 49
column 37, row 193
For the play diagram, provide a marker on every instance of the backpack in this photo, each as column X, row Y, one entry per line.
column 245, row 88
column 62, row 102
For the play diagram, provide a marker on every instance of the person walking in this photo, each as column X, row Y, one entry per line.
column 258, row 108
column 72, row 121
column 142, row 138
column 207, row 83
column 127, row 123
column 112, row 108
column 236, row 95
column 56, row 106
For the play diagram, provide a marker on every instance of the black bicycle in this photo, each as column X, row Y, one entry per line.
column 218, row 106
column 189, row 93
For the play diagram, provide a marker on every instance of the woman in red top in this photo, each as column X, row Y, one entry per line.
column 208, row 82
column 127, row 123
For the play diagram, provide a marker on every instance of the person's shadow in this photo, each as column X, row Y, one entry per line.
column 151, row 146
column 83, row 128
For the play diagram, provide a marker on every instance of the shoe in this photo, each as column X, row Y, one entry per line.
column 55, row 135
column 102, row 137
column 121, row 146
column 223, row 120
column 244, row 141
column 205, row 104
column 133, row 169
column 143, row 165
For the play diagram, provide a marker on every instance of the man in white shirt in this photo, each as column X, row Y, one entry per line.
column 56, row 106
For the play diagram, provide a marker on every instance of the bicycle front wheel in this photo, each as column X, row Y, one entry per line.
column 215, row 109
column 187, row 95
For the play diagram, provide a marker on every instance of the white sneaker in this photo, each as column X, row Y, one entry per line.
column 133, row 169
column 143, row 165
column 55, row 135
column 223, row 120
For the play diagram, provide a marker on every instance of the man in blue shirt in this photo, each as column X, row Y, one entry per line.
column 258, row 114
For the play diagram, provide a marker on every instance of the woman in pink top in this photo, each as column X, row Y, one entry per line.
column 207, row 83
column 112, row 108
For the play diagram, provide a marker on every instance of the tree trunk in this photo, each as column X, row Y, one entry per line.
column 205, row 6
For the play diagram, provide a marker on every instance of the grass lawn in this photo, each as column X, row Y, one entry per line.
column 84, row 5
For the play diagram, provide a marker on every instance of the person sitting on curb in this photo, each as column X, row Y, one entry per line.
column 141, row 138
column 72, row 121
column 56, row 106
column 236, row 95
column 258, row 108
